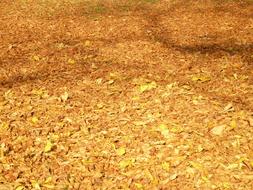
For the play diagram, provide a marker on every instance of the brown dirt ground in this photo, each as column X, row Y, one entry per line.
column 113, row 94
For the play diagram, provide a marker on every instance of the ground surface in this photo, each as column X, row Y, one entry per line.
column 126, row 94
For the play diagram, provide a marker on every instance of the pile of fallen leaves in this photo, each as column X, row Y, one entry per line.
column 139, row 94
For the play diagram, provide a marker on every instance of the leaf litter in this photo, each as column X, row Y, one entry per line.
column 145, row 97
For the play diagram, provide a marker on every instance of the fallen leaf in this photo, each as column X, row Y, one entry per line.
column 126, row 163
column 139, row 186
column 36, row 58
column 4, row 127
column 147, row 86
column 34, row 119
column 218, row 130
column 87, row 43
column 166, row 166
column 35, row 184
column 48, row 146
column 20, row 187
column 48, row 180
column 164, row 130
column 228, row 107
column 71, row 61
column 233, row 124
column 111, row 81
column 173, row 177
column 64, row 96
column 121, row 151
column 197, row 165
column 60, row 45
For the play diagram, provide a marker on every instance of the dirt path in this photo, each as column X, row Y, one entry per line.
column 140, row 94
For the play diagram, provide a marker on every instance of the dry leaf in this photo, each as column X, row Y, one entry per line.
column 35, row 184
column 36, row 58
column 173, row 177
column 166, row 166
column 121, row 151
column 164, row 130
column 228, row 108
column 139, row 186
column 233, row 124
column 4, row 127
column 71, row 61
column 218, row 130
column 48, row 147
column 34, row 119
column 87, row 43
column 126, row 163
column 147, row 86
column 196, row 165
column 64, row 96
column 20, row 187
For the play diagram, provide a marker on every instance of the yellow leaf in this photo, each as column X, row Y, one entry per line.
column 126, row 163
column 226, row 185
column 40, row 92
column 218, row 130
column 121, row 151
column 20, row 187
column 34, row 120
column 60, row 45
column 48, row 180
column 205, row 179
column 65, row 96
column 147, row 86
column 35, row 184
column 87, row 43
column 251, row 163
column 111, row 81
column 139, row 186
column 4, row 127
column 177, row 129
column 233, row 124
column 48, row 146
column 36, row 58
column 71, row 61
column 135, row 98
column 166, row 166
column 232, row 166
column 164, row 130
column 196, row 165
